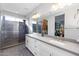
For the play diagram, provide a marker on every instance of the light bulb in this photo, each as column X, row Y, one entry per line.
column 55, row 7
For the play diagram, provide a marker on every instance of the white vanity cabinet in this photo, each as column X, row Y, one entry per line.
column 26, row 41
column 37, row 47
column 30, row 44
column 41, row 48
column 61, row 52
column 55, row 51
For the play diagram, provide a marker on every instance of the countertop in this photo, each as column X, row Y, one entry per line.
column 62, row 44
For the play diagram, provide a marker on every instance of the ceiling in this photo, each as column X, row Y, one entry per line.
column 19, row 8
column 29, row 9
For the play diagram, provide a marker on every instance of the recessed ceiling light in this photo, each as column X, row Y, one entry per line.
column 57, row 6
column 61, row 5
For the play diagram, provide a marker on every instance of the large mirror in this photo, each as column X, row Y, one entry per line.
column 59, row 25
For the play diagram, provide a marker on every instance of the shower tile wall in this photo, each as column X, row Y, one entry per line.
column 0, row 31
column 9, row 32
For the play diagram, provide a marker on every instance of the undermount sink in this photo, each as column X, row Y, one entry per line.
column 77, row 41
column 57, row 42
column 60, row 39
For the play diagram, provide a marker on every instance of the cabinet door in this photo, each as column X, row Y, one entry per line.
column 30, row 44
column 36, row 49
column 43, row 49
column 26, row 41
column 60, row 52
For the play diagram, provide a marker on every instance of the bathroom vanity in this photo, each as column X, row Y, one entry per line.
column 48, row 46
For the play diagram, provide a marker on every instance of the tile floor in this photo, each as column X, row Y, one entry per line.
column 19, row 50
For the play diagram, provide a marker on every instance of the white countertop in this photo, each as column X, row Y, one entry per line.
column 70, row 46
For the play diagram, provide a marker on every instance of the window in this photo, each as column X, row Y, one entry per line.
column 10, row 18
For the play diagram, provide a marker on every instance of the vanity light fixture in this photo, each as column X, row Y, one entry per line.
column 36, row 16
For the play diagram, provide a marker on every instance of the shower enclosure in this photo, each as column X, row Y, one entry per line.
column 10, row 32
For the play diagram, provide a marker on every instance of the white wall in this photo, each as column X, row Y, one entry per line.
column 12, row 14
column 0, row 22
column 51, row 26
column 30, row 25
column 71, row 25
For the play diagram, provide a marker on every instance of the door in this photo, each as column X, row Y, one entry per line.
column 21, row 32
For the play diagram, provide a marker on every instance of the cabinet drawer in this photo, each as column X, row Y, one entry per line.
column 60, row 52
column 43, row 48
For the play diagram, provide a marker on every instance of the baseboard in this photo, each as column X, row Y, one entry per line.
column 11, row 46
